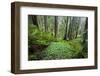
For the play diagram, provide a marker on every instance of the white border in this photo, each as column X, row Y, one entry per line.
column 25, row 64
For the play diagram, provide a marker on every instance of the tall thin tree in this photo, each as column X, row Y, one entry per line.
column 56, row 26
column 34, row 20
column 66, row 23
column 45, row 23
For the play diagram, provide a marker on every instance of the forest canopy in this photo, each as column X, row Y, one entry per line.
column 57, row 37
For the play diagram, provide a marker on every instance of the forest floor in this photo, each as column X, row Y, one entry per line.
column 59, row 50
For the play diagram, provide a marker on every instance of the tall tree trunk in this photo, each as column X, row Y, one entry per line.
column 66, row 22
column 45, row 23
column 85, row 39
column 35, row 22
column 77, row 27
column 85, row 30
column 70, row 28
column 56, row 26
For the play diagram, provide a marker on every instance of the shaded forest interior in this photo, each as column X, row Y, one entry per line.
column 57, row 37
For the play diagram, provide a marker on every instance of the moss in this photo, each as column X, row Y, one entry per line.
column 62, row 50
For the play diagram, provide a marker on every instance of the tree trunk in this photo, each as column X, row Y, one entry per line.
column 70, row 28
column 66, row 22
column 34, row 20
column 56, row 26
column 85, row 40
column 45, row 23
column 77, row 27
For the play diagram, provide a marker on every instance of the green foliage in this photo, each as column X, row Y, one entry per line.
column 36, row 36
column 63, row 50
column 56, row 50
column 78, row 46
